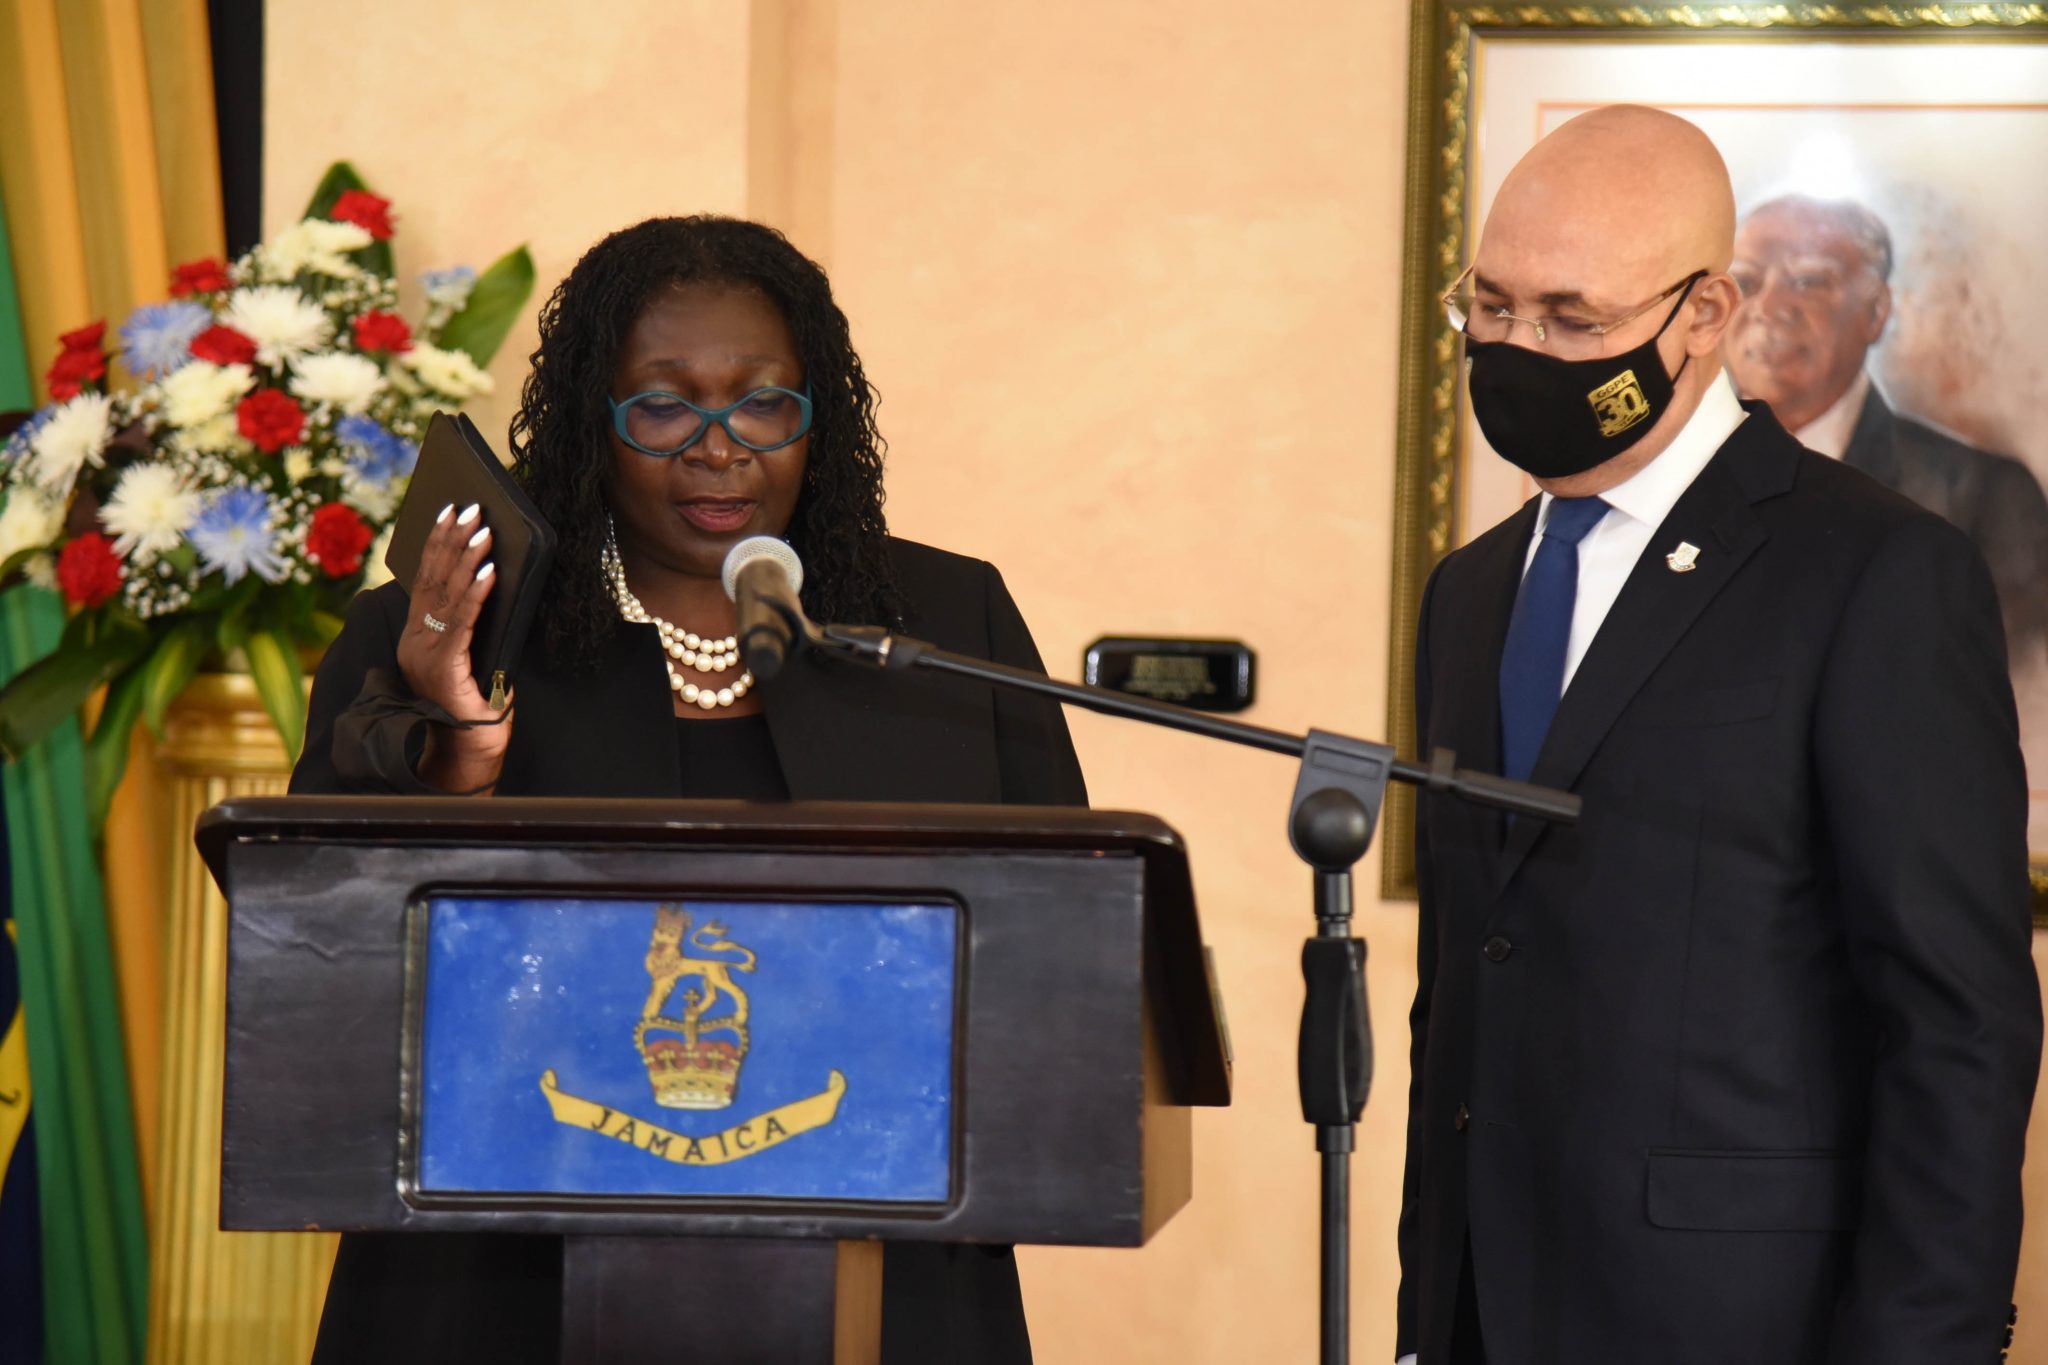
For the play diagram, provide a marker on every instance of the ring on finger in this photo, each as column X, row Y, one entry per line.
column 433, row 623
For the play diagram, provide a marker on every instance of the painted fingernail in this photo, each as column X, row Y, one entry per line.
column 483, row 534
column 444, row 514
column 468, row 514
column 486, row 571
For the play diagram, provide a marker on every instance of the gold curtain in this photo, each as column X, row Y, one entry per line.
column 110, row 173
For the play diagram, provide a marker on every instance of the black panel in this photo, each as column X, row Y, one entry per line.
column 236, row 29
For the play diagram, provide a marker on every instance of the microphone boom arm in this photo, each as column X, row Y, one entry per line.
column 874, row 645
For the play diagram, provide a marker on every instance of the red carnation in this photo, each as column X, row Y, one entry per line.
column 365, row 210
column 73, row 370
column 199, row 277
column 383, row 332
column 79, row 362
column 223, row 346
column 86, row 338
column 336, row 540
column 88, row 570
column 270, row 419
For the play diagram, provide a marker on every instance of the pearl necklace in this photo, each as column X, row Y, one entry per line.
column 686, row 647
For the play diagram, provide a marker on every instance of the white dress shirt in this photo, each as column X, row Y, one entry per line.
column 1636, row 508
column 1829, row 433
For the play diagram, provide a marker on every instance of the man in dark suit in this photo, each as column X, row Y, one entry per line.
column 1736, row 1071
column 1816, row 283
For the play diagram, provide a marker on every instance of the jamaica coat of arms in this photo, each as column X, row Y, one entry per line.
column 693, row 1035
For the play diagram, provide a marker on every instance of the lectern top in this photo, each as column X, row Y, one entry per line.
column 638, row 821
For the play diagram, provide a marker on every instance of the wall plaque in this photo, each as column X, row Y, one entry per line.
column 1206, row 675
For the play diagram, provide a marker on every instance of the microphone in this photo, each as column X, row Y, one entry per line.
column 762, row 576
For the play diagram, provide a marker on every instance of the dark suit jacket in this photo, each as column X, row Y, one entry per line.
column 1737, row 1070
column 1995, row 499
column 842, row 732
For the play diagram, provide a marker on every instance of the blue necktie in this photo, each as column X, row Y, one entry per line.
column 1532, row 662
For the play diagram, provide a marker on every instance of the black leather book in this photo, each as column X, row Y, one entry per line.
column 458, row 466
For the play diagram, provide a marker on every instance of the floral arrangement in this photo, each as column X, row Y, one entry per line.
column 230, row 500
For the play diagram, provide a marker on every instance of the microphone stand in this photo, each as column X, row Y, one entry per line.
column 1336, row 804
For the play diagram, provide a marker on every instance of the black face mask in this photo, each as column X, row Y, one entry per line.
column 1556, row 418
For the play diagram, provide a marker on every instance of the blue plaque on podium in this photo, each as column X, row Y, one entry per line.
column 687, row 1049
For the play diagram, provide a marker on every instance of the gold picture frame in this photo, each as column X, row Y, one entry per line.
column 1447, row 41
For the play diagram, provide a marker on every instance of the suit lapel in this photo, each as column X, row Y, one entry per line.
column 1655, row 609
column 1871, row 447
column 1474, row 658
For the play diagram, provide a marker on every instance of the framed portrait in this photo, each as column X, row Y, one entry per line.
column 1885, row 161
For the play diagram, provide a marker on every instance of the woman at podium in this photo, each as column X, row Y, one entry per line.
column 695, row 384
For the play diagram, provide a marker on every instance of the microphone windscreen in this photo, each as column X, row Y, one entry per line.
column 761, row 547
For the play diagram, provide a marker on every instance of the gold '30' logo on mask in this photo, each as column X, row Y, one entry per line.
column 1619, row 403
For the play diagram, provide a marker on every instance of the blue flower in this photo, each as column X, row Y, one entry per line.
column 449, row 288
column 17, row 445
column 376, row 455
column 234, row 533
column 158, row 336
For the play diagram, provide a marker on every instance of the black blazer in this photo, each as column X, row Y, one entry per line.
column 1994, row 499
column 1738, row 1069
column 842, row 732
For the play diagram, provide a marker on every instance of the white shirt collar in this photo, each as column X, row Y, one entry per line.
column 1829, row 433
column 1651, row 492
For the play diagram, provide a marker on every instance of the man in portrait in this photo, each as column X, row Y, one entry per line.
column 1815, row 277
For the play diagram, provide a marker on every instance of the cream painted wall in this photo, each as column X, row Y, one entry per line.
column 1126, row 276
column 518, row 121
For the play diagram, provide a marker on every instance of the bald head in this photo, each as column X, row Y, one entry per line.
column 1621, row 200
column 1594, row 227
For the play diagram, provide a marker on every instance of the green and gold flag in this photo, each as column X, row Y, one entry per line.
column 76, row 1152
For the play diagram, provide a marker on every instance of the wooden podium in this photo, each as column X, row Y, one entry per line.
column 725, row 1049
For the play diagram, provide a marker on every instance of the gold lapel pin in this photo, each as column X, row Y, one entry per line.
column 1685, row 558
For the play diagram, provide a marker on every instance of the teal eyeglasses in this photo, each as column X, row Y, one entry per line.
column 661, row 423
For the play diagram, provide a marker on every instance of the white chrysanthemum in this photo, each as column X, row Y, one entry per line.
column 283, row 323
column 215, row 435
column 377, row 501
column 312, row 244
column 451, row 373
column 74, row 436
column 30, row 520
column 350, row 382
column 298, row 464
column 149, row 510
column 199, row 392
column 41, row 570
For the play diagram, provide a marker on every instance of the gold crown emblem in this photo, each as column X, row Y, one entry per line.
column 687, row 1069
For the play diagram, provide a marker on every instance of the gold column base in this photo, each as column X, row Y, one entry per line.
column 215, row 1298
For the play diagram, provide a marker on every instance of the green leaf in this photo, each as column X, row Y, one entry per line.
column 234, row 607
column 326, row 627
column 46, row 692
column 274, row 664
column 341, row 177
column 106, row 753
column 501, row 291
column 170, row 668
column 20, row 558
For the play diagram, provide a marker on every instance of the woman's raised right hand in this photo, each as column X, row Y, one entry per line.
column 455, row 576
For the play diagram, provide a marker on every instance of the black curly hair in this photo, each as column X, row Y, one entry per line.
column 561, row 435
